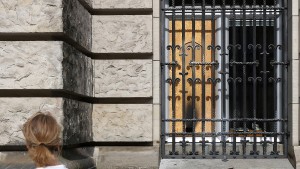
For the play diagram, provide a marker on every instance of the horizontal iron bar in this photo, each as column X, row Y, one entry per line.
column 180, row 156
column 220, row 120
column 223, row 133
column 278, row 9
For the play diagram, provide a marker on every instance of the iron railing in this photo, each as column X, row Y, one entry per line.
column 240, row 66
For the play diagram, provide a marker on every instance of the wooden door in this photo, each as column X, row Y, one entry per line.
column 198, row 73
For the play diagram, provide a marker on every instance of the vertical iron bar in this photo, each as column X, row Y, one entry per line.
column 275, row 151
column 203, row 80
column 264, row 76
column 183, row 73
column 285, row 82
column 193, row 78
column 163, row 78
column 223, row 81
column 244, row 76
column 213, row 53
column 173, row 78
column 255, row 152
column 234, row 77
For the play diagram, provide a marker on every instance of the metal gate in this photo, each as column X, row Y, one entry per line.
column 224, row 78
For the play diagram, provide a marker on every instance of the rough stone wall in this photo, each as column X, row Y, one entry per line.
column 123, row 78
column 77, row 71
column 77, row 23
column 15, row 111
column 31, row 16
column 77, row 122
column 122, row 122
column 131, row 4
column 122, row 34
column 31, row 65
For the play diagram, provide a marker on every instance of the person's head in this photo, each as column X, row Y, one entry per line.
column 41, row 134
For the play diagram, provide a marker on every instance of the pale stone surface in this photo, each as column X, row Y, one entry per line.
column 15, row 111
column 44, row 65
column 232, row 163
column 156, row 39
column 156, row 124
column 122, row 34
column 156, row 82
column 293, row 85
column 156, row 8
column 122, row 4
column 127, row 157
column 123, row 78
column 293, row 111
column 120, row 122
column 74, row 117
column 77, row 23
column 31, row 65
column 31, row 16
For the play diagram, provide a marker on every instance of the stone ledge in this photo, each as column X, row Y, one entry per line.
column 124, row 4
column 232, row 163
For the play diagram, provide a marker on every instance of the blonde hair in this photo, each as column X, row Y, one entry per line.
column 42, row 133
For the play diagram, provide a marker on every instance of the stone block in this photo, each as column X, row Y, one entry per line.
column 293, row 85
column 122, row 34
column 156, row 124
column 119, row 157
column 31, row 65
column 127, row 4
column 77, row 23
column 60, row 16
column 120, row 122
column 156, row 8
column 123, row 78
column 156, row 39
column 31, row 16
column 15, row 111
column 293, row 118
column 156, row 82
column 44, row 65
column 73, row 116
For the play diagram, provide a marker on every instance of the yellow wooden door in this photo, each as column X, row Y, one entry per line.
column 198, row 73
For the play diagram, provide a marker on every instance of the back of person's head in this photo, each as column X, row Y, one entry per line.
column 42, row 133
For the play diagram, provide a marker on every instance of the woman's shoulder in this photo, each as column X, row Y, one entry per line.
column 53, row 167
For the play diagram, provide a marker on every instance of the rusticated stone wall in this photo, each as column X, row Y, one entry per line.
column 15, row 111
column 123, row 78
column 122, row 122
column 77, row 71
column 122, row 34
column 71, row 58
column 31, row 65
column 31, row 16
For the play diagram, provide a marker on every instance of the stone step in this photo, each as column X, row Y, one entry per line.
column 230, row 164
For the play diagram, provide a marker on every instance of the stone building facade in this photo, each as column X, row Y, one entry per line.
column 96, row 65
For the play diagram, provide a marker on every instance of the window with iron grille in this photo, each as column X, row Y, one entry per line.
column 224, row 78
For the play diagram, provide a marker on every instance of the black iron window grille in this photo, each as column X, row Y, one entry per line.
column 224, row 79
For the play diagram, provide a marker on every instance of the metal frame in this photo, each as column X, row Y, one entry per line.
column 226, row 141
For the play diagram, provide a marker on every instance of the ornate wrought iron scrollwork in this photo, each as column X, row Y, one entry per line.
column 257, row 46
column 212, row 47
column 214, row 81
column 171, row 81
column 254, row 80
column 231, row 46
column 173, row 48
column 234, row 80
column 194, row 81
column 274, row 80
